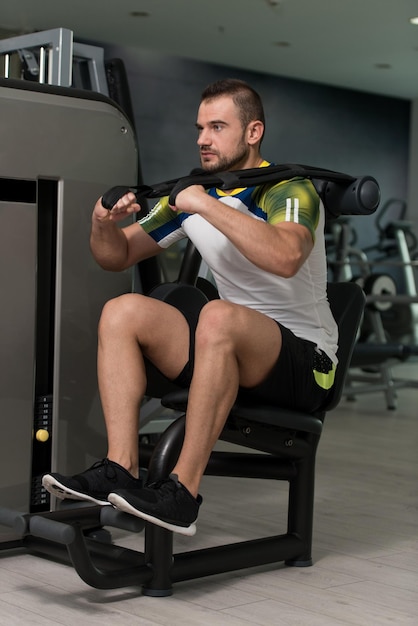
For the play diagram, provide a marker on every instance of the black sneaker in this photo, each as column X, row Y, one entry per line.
column 166, row 503
column 93, row 485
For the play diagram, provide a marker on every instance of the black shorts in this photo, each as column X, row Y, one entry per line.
column 291, row 383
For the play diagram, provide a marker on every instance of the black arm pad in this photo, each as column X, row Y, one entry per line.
column 342, row 194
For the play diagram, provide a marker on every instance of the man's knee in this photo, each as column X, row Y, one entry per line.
column 216, row 322
column 121, row 311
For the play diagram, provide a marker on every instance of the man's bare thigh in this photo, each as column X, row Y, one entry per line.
column 256, row 338
column 161, row 331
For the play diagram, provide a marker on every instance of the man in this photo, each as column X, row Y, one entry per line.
column 271, row 332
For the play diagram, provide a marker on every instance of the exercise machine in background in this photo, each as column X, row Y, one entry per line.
column 387, row 271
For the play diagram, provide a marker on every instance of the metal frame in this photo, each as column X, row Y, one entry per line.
column 57, row 53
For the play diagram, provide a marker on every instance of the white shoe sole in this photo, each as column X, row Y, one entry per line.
column 62, row 492
column 122, row 505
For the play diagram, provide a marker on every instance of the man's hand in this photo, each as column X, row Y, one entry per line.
column 191, row 199
column 125, row 206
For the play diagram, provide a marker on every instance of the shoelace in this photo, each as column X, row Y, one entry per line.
column 109, row 470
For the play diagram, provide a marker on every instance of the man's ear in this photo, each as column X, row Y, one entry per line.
column 255, row 131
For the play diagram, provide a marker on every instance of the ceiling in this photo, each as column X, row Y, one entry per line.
column 366, row 45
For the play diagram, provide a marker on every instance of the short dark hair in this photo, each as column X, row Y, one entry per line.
column 244, row 97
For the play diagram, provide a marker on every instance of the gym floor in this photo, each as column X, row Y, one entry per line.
column 365, row 543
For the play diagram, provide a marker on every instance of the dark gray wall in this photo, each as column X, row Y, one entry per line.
column 412, row 196
column 307, row 123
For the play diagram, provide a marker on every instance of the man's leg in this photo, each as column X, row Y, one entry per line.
column 234, row 346
column 131, row 327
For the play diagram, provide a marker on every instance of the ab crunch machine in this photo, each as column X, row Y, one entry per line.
column 282, row 444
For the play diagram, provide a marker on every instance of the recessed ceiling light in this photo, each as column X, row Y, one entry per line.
column 383, row 66
column 414, row 20
column 139, row 14
column 282, row 44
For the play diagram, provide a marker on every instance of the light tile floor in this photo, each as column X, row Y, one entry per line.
column 365, row 569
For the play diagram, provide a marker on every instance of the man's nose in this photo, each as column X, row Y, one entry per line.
column 204, row 138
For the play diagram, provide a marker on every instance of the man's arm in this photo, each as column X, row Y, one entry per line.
column 280, row 249
column 116, row 248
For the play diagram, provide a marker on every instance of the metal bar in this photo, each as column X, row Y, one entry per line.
column 6, row 65
column 58, row 41
column 42, row 65
column 95, row 60
column 137, row 573
column 250, row 465
column 236, row 556
column 103, row 566
column 396, row 298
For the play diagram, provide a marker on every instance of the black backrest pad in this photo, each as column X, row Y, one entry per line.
column 347, row 302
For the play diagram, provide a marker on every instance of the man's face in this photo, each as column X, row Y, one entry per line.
column 222, row 139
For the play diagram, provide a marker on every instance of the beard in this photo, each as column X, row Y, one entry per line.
column 227, row 163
